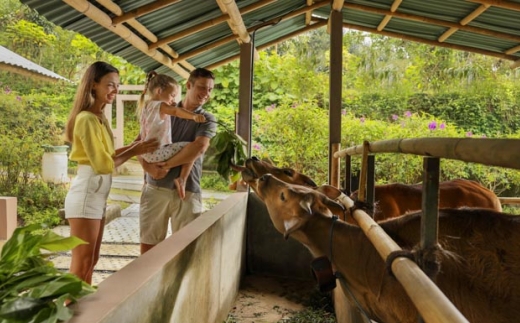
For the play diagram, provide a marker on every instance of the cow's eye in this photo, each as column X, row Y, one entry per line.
column 288, row 172
column 282, row 196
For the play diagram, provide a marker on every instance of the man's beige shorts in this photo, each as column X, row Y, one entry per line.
column 88, row 193
column 158, row 205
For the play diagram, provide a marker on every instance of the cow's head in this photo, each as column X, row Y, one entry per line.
column 290, row 206
column 256, row 168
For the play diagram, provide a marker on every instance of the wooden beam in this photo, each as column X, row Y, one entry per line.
column 500, row 4
column 104, row 20
column 337, row 5
column 114, row 8
column 477, row 12
column 207, row 24
column 434, row 21
column 387, row 18
column 431, row 42
column 270, row 44
column 515, row 64
column 236, row 23
column 513, row 50
column 143, row 10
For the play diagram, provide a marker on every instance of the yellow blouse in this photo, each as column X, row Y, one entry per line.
column 92, row 143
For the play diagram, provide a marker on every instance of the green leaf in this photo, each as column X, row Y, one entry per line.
column 21, row 308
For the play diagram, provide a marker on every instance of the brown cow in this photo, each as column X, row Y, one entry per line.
column 392, row 200
column 479, row 257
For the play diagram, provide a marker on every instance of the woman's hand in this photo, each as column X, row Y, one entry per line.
column 148, row 146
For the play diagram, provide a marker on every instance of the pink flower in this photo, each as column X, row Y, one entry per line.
column 442, row 126
column 256, row 147
column 469, row 134
column 432, row 125
column 394, row 117
column 343, row 112
column 408, row 114
column 7, row 90
column 362, row 119
column 19, row 98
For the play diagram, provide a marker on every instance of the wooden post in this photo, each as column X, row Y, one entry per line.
column 7, row 216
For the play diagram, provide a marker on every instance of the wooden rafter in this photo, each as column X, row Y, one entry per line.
column 434, row 21
column 387, row 18
column 310, row 27
column 115, row 9
column 225, row 40
column 235, row 21
column 500, row 4
column 104, row 20
column 206, row 24
column 477, row 12
column 337, row 5
column 431, row 42
column 151, row 7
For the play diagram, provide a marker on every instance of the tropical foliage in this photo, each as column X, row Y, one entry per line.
column 31, row 288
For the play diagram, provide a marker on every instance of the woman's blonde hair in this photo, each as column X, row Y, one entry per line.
column 154, row 81
column 84, row 98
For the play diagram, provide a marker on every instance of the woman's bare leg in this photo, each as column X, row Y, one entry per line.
column 84, row 256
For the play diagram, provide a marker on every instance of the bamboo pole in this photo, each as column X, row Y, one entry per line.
column 363, row 175
column 429, row 300
column 509, row 200
column 486, row 151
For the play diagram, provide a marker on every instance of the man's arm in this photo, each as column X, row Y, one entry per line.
column 153, row 169
column 189, row 153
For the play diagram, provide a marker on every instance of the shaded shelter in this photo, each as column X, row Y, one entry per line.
column 12, row 62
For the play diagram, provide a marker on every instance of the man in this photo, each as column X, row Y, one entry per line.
column 160, row 200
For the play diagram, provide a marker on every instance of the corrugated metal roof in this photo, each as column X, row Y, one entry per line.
column 13, row 62
column 185, row 34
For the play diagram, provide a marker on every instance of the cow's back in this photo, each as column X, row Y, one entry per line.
column 392, row 200
column 479, row 262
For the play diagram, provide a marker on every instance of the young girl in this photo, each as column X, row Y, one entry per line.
column 92, row 142
column 154, row 115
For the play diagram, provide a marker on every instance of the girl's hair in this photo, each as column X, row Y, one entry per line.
column 154, row 81
column 84, row 98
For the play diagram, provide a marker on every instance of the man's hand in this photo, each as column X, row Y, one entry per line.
column 156, row 170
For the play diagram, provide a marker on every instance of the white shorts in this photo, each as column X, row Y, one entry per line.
column 88, row 193
column 165, row 152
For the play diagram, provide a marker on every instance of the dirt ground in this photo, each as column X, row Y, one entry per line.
column 263, row 299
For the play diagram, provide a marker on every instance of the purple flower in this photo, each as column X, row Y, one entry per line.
column 362, row 119
column 343, row 112
column 19, row 98
column 432, row 125
column 394, row 117
column 442, row 126
column 408, row 114
column 7, row 90
column 256, row 147
column 469, row 134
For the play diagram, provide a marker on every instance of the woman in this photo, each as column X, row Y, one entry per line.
column 92, row 142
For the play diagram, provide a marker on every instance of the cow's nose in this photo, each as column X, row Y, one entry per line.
column 255, row 158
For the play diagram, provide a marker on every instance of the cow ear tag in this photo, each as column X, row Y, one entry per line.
column 322, row 272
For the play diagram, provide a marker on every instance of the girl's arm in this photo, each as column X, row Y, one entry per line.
column 181, row 113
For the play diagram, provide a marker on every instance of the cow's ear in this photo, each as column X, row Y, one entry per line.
column 306, row 203
column 294, row 223
column 334, row 207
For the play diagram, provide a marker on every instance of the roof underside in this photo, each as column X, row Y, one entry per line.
column 12, row 62
column 175, row 36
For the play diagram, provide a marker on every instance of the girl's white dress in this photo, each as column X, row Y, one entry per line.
column 153, row 126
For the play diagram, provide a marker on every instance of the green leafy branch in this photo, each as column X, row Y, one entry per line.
column 31, row 288
column 229, row 149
